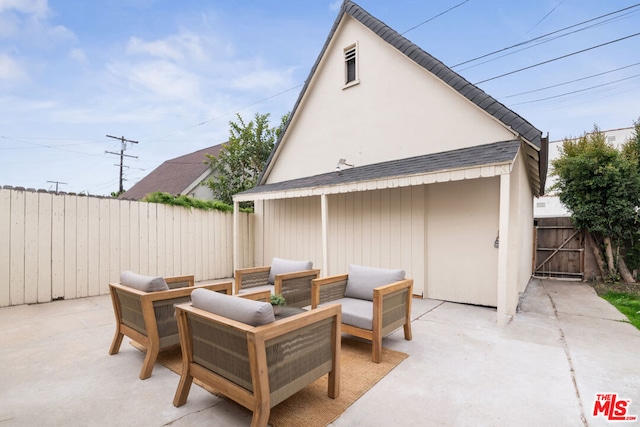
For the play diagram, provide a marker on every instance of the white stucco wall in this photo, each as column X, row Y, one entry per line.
column 521, row 233
column 397, row 110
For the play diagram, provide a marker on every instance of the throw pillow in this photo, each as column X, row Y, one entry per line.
column 143, row 283
column 250, row 312
column 281, row 266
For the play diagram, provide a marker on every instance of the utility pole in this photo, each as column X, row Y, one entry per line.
column 123, row 147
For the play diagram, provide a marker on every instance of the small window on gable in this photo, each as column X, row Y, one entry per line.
column 350, row 65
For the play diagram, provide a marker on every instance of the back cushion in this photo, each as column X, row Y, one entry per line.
column 281, row 266
column 254, row 313
column 143, row 283
column 362, row 280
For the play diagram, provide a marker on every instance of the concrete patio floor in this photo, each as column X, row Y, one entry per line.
column 544, row 367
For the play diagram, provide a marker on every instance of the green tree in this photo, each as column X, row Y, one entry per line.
column 242, row 159
column 600, row 185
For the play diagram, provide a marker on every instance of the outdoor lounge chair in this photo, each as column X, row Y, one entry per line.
column 375, row 302
column 234, row 345
column 144, row 310
column 291, row 279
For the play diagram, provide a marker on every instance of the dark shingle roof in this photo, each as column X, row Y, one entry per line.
column 173, row 176
column 431, row 64
column 481, row 155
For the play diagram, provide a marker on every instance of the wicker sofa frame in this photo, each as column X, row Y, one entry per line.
column 390, row 308
column 148, row 317
column 258, row 367
column 294, row 287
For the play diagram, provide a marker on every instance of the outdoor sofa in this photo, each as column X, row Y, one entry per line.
column 236, row 346
column 289, row 278
column 144, row 311
column 374, row 301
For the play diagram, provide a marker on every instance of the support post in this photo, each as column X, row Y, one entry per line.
column 325, row 234
column 503, row 250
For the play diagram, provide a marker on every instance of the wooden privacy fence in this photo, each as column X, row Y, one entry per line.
column 560, row 249
column 62, row 246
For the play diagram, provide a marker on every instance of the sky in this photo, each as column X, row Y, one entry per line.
column 171, row 75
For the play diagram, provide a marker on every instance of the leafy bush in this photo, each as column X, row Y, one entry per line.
column 189, row 202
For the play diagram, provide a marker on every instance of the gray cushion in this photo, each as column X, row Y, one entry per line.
column 355, row 312
column 363, row 280
column 143, row 283
column 254, row 313
column 281, row 266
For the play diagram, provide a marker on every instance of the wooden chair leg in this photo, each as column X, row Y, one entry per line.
column 117, row 341
column 182, row 393
column 376, row 345
column 149, row 361
column 260, row 416
column 407, row 331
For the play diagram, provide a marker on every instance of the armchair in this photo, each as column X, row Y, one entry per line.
column 234, row 345
column 375, row 302
column 144, row 310
column 291, row 279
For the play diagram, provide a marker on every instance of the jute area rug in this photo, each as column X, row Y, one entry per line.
column 311, row 406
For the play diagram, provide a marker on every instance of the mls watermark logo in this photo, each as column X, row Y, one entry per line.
column 612, row 408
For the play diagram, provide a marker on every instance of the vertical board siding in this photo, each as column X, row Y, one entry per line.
column 5, row 246
column 378, row 228
column 44, row 268
column 63, row 246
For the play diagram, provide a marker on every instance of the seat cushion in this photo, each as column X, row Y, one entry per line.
column 363, row 280
column 143, row 283
column 254, row 313
column 355, row 312
column 281, row 266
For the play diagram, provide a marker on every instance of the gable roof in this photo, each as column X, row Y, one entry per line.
column 510, row 119
column 421, row 168
column 174, row 176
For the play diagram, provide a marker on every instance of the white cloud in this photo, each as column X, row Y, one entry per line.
column 10, row 69
column 161, row 79
column 37, row 8
column 78, row 55
column 176, row 48
column 263, row 79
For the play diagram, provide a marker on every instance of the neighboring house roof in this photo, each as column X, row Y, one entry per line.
column 419, row 167
column 510, row 119
column 176, row 176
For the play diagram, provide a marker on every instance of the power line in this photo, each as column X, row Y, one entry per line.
column 578, row 91
column 546, row 41
column 571, row 81
column 557, row 59
column 546, row 35
column 545, row 17
column 434, row 17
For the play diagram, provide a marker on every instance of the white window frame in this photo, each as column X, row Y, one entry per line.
column 352, row 47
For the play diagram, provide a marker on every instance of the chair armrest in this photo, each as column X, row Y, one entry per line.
column 295, row 287
column 249, row 277
column 171, row 293
column 264, row 296
column 392, row 305
column 187, row 280
column 406, row 284
column 328, row 289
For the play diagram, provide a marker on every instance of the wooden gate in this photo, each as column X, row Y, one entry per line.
column 560, row 249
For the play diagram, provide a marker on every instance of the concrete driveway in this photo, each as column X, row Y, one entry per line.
column 544, row 368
